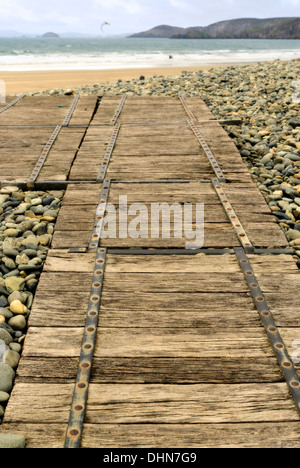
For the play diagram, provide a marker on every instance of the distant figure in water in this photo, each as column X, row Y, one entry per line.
column 170, row 57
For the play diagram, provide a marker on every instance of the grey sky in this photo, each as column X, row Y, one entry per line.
column 126, row 16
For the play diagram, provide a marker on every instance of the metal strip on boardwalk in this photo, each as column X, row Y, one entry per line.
column 15, row 101
column 71, row 110
column 241, row 233
column 186, row 108
column 79, row 402
column 284, row 360
column 214, row 164
column 99, row 219
column 119, row 110
column 40, row 163
column 108, row 152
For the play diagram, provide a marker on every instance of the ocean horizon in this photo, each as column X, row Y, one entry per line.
column 30, row 54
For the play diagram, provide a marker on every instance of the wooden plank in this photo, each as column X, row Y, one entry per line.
column 41, row 110
column 135, row 436
column 255, row 435
column 141, row 342
column 31, row 143
column 155, row 404
column 84, row 110
column 153, row 370
column 63, row 261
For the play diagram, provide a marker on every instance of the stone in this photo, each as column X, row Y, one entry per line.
column 6, row 327
column 45, row 239
column 18, row 308
column 4, row 397
column 14, row 283
column 30, row 241
column 3, row 199
column 3, row 349
column 12, row 232
column 281, row 215
column 22, row 259
column 47, row 200
column 12, row 441
column 30, row 253
column 6, row 313
column 294, row 123
column 15, row 347
column 3, row 302
column 5, row 336
column 293, row 234
column 9, row 189
column 7, row 376
column 11, row 358
column 295, row 243
column 18, row 296
column 9, row 263
column 10, row 252
column 17, row 323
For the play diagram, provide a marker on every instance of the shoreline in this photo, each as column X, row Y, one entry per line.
column 34, row 81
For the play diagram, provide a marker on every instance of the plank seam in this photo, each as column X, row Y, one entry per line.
column 83, row 136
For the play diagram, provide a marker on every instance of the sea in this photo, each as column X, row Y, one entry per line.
column 28, row 54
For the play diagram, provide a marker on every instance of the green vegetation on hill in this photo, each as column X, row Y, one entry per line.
column 244, row 28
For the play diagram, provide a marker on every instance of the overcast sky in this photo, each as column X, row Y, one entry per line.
column 128, row 16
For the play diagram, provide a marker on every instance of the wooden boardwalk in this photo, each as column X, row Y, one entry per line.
column 142, row 342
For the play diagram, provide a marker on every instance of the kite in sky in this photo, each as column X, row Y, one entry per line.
column 104, row 24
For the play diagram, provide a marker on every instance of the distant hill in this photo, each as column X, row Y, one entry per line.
column 244, row 28
column 161, row 31
column 50, row 34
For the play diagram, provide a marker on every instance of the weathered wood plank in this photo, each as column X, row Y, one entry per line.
column 131, row 436
column 142, row 342
column 155, row 404
column 153, row 370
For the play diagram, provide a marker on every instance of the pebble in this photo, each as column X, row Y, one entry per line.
column 5, row 313
column 17, row 323
column 5, row 336
column 12, row 441
column 16, row 307
column 15, row 347
column 7, row 376
column 293, row 234
column 4, row 397
column 14, row 284
column 26, row 226
column 11, row 358
column 18, row 296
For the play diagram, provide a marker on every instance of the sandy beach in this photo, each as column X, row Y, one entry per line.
column 31, row 81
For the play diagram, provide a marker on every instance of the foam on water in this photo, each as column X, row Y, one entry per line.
column 100, row 54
